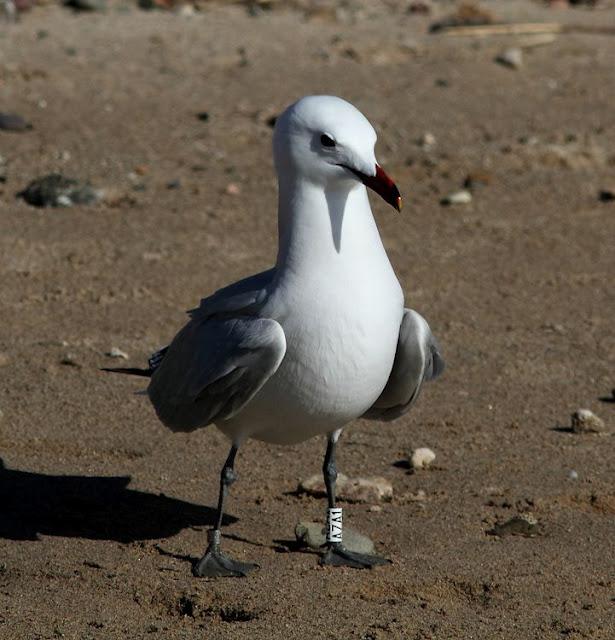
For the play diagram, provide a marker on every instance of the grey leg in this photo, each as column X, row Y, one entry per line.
column 336, row 554
column 214, row 563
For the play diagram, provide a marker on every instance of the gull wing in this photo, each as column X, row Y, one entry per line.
column 417, row 360
column 213, row 368
column 217, row 363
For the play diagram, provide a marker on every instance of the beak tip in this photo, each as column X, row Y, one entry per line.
column 399, row 204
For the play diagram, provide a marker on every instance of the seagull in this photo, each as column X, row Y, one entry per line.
column 320, row 339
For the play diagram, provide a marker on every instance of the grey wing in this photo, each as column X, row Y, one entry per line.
column 417, row 360
column 213, row 368
column 246, row 295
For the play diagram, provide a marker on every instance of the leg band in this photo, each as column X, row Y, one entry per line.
column 334, row 524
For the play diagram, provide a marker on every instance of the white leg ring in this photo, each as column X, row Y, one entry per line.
column 334, row 524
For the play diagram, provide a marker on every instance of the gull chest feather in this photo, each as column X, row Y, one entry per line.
column 341, row 343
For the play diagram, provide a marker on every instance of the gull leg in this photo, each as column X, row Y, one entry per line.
column 214, row 563
column 336, row 553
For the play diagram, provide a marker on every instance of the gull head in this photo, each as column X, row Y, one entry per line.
column 327, row 141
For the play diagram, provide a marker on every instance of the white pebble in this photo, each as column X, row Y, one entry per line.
column 573, row 475
column 427, row 140
column 458, row 197
column 512, row 57
column 586, row 421
column 421, row 458
column 117, row 353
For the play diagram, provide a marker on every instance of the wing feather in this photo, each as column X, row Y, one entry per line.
column 213, row 368
column 417, row 360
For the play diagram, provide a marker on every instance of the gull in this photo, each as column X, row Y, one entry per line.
column 320, row 339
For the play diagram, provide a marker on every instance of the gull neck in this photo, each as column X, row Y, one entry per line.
column 324, row 226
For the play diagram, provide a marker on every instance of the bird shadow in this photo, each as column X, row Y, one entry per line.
column 562, row 429
column 93, row 507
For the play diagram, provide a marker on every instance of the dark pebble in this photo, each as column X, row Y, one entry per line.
column 606, row 195
column 203, row 116
column 86, row 5
column 13, row 122
column 56, row 190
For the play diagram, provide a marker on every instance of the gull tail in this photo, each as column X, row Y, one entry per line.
column 154, row 362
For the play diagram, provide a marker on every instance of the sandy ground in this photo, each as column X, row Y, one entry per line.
column 102, row 510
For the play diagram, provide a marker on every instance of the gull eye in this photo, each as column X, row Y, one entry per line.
column 326, row 140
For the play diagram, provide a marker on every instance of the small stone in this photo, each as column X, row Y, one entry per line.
column 606, row 195
column 477, row 180
column 421, row 458
column 13, row 122
column 70, row 360
column 232, row 189
column 4, row 359
column 56, row 190
column 86, row 5
column 573, row 475
column 521, row 525
column 114, row 352
column 203, row 116
column 427, row 140
column 457, row 197
column 312, row 534
column 419, row 7
column 174, row 184
column 511, row 58
column 186, row 10
column 374, row 489
column 586, row 421
column 374, row 508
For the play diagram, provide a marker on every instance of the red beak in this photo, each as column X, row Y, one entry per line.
column 382, row 185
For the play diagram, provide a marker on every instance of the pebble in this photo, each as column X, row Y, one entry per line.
column 421, row 458
column 232, row 189
column 114, row 352
column 56, row 190
column 586, row 421
column 86, row 5
column 312, row 534
column 373, row 489
column 573, row 475
column 521, row 525
column 427, row 140
column 511, row 58
column 13, row 122
column 203, row 116
column 70, row 360
column 477, row 180
column 606, row 195
column 4, row 359
column 457, row 197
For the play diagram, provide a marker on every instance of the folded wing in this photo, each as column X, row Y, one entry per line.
column 220, row 360
column 417, row 360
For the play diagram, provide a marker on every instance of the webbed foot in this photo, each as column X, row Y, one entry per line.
column 215, row 564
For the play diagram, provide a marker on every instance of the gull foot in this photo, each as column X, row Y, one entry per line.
column 215, row 564
column 338, row 556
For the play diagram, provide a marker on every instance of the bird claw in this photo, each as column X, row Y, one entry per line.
column 215, row 564
column 337, row 555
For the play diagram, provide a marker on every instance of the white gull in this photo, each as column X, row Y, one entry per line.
column 320, row 339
